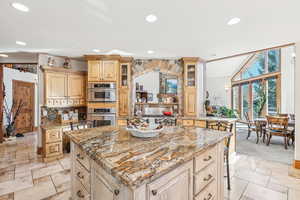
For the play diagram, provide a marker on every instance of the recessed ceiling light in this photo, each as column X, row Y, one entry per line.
column 150, row 52
column 21, row 43
column 151, row 18
column 96, row 50
column 234, row 21
column 3, row 55
column 20, row 7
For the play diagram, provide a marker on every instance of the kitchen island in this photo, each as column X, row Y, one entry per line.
column 181, row 164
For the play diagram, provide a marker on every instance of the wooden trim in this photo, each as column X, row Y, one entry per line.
column 278, row 93
column 126, row 59
column 250, row 97
column 191, row 59
column 250, row 52
column 296, row 164
column 242, row 68
column 62, row 70
column 264, row 76
column 102, row 57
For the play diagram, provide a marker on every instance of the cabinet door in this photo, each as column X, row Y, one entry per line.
column 190, row 102
column 76, row 86
column 190, row 75
column 109, row 70
column 102, row 190
column 94, row 70
column 56, row 85
column 123, row 102
column 177, row 187
column 124, row 75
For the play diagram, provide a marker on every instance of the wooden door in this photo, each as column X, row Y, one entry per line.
column 94, row 70
column 123, row 102
column 56, row 85
column 24, row 92
column 1, row 103
column 177, row 187
column 109, row 70
column 190, row 107
column 76, row 86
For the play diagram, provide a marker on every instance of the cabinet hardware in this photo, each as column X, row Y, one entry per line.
column 80, row 156
column 79, row 194
column 209, row 196
column 154, row 192
column 117, row 192
column 208, row 178
column 207, row 159
column 80, row 175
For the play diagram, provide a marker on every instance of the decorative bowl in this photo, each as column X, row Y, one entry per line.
column 147, row 133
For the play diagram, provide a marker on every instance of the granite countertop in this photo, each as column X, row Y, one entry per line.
column 49, row 125
column 135, row 161
column 211, row 118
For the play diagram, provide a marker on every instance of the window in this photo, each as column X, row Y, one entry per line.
column 258, row 80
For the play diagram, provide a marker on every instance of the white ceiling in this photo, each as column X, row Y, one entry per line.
column 184, row 28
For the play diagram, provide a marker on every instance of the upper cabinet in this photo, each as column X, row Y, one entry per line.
column 64, row 88
column 102, row 70
column 190, row 86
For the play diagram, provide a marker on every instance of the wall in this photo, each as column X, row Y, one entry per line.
column 287, row 80
column 11, row 74
column 150, row 82
column 219, row 90
column 297, row 105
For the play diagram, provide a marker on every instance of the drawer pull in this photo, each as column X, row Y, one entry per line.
column 208, row 178
column 79, row 175
column 207, row 159
column 154, row 192
column 209, row 196
column 80, row 156
column 79, row 194
column 117, row 192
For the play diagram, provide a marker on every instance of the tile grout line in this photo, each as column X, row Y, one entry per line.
column 53, row 183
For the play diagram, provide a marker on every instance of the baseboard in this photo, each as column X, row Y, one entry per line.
column 296, row 164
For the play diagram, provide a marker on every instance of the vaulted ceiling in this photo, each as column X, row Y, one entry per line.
column 184, row 28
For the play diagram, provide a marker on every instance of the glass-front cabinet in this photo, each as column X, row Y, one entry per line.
column 124, row 75
column 191, row 75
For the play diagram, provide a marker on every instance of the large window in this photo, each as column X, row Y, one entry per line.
column 256, row 86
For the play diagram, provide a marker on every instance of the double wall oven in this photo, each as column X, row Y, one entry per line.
column 106, row 93
column 102, row 92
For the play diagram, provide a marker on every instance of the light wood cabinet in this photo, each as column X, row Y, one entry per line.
column 102, row 70
column 64, row 88
column 190, row 86
column 52, row 144
column 176, row 185
column 123, row 102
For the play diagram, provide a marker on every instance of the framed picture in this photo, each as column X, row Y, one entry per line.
column 171, row 86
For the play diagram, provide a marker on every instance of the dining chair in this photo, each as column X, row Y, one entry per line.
column 223, row 126
column 252, row 126
column 277, row 126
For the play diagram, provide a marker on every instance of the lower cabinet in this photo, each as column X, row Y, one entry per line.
column 177, row 185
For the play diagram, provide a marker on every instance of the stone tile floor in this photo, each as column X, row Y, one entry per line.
column 24, row 177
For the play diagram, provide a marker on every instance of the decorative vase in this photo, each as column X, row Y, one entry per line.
column 10, row 130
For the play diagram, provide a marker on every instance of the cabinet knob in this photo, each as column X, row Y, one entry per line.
column 80, row 175
column 207, row 159
column 154, row 192
column 80, row 156
column 209, row 196
column 79, row 194
column 208, row 178
column 117, row 192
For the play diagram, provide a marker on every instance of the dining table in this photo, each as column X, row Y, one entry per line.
column 261, row 122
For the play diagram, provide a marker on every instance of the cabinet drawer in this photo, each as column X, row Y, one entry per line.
column 53, row 149
column 82, row 175
column 205, row 159
column 54, row 135
column 200, row 123
column 188, row 122
column 204, row 177
column 82, row 158
column 209, row 193
column 80, row 193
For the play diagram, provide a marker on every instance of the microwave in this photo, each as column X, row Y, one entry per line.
column 102, row 92
column 102, row 119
